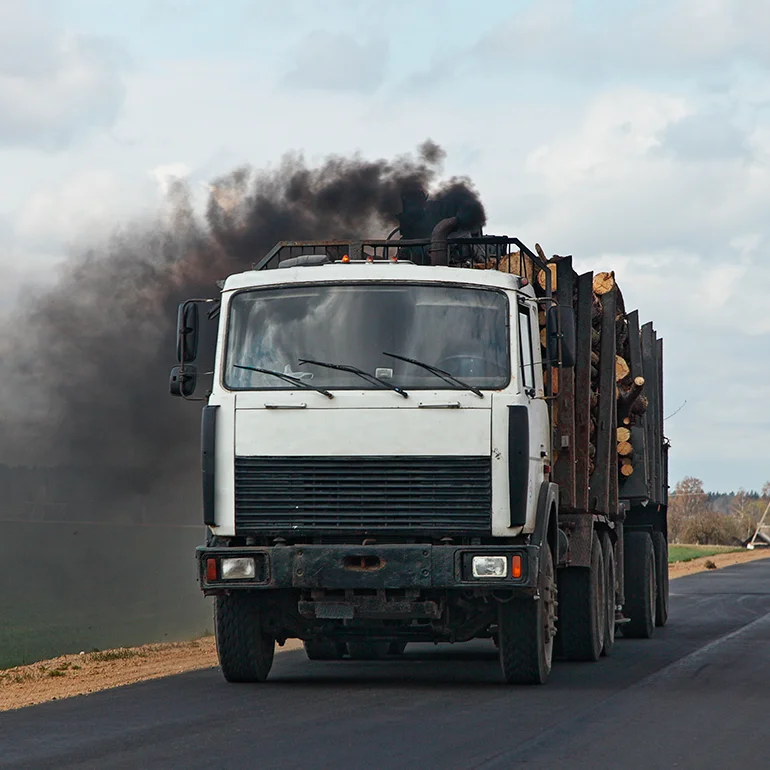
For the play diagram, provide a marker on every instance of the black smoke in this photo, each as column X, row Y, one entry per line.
column 85, row 365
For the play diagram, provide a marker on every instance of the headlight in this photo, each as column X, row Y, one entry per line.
column 242, row 568
column 490, row 566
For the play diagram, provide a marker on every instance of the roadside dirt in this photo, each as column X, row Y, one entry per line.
column 71, row 675
column 680, row 568
column 85, row 673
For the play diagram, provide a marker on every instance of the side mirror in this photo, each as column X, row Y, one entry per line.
column 182, row 382
column 562, row 343
column 187, row 332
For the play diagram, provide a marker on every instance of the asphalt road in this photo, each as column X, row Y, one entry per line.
column 697, row 695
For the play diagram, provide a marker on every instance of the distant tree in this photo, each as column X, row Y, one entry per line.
column 688, row 497
column 687, row 502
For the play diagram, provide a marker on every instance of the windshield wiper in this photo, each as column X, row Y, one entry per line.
column 355, row 370
column 451, row 379
column 287, row 378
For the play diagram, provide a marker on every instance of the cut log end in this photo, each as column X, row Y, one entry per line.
column 626, row 469
column 622, row 369
column 624, row 434
column 625, row 449
column 604, row 282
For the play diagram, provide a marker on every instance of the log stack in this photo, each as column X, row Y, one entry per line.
column 629, row 384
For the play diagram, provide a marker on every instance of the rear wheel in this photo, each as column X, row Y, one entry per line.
column 660, row 546
column 526, row 628
column 640, row 586
column 324, row 649
column 608, row 554
column 583, row 607
column 368, row 650
column 245, row 651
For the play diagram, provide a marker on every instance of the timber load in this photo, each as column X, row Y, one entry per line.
column 608, row 439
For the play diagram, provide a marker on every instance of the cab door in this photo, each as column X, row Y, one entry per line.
column 531, row 372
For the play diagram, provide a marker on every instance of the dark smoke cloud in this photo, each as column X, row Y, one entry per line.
column 85, row 365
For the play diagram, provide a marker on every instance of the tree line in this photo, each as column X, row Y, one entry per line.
column 714, row 518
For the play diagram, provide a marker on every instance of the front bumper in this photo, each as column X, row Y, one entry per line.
column 370, row 567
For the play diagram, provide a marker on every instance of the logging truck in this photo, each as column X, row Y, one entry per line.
column 432, row 439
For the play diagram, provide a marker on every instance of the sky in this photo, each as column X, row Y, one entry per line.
column 632, row 134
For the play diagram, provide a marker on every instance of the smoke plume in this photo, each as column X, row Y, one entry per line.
column 85, row 365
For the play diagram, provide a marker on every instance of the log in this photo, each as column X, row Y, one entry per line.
column 541, row 276
column 596, row 311
column 604, row 282
column 624, row 434
column 639, row 406
column 594, row 373
column 541, row 318
column 596, row 339
column 516, row 263
column 544, row 338
column 625, row 449
column 630, row 395
column 594, row 358
column 592, row 451
column 626, row 469
column 622, row 369
column 594, row 400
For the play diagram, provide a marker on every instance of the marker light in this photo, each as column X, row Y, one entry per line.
column 211, row 570
column 516, row 567
column 490, row 566
column 345, row 258
column 242, row 568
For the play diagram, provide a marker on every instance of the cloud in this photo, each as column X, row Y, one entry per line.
column 705, row 137
column 338, row 62
column 601, row 42
column 54, row 84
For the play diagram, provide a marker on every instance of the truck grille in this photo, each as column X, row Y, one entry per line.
column 341, row 494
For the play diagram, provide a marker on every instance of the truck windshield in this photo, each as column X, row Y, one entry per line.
column 463, row 331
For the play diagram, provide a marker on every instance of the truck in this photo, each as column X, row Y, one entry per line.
column 426, row 439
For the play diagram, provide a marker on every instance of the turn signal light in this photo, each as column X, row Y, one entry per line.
column 516, row 567
column 211, row 570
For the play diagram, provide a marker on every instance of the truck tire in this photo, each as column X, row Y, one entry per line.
column 245, row 651
column 324, row 649
column 583, row 607
column 526, row 628
column 368, row 650
column 660, row 546
column 608, row 554
column 640, row 588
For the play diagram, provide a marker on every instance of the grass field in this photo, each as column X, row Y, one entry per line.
column 689, row 552
column 81, row 586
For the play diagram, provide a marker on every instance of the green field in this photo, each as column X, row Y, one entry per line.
column 689, row 552
column 73, row 586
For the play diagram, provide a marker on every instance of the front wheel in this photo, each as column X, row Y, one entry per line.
column 245, row 651
column 526, row 628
